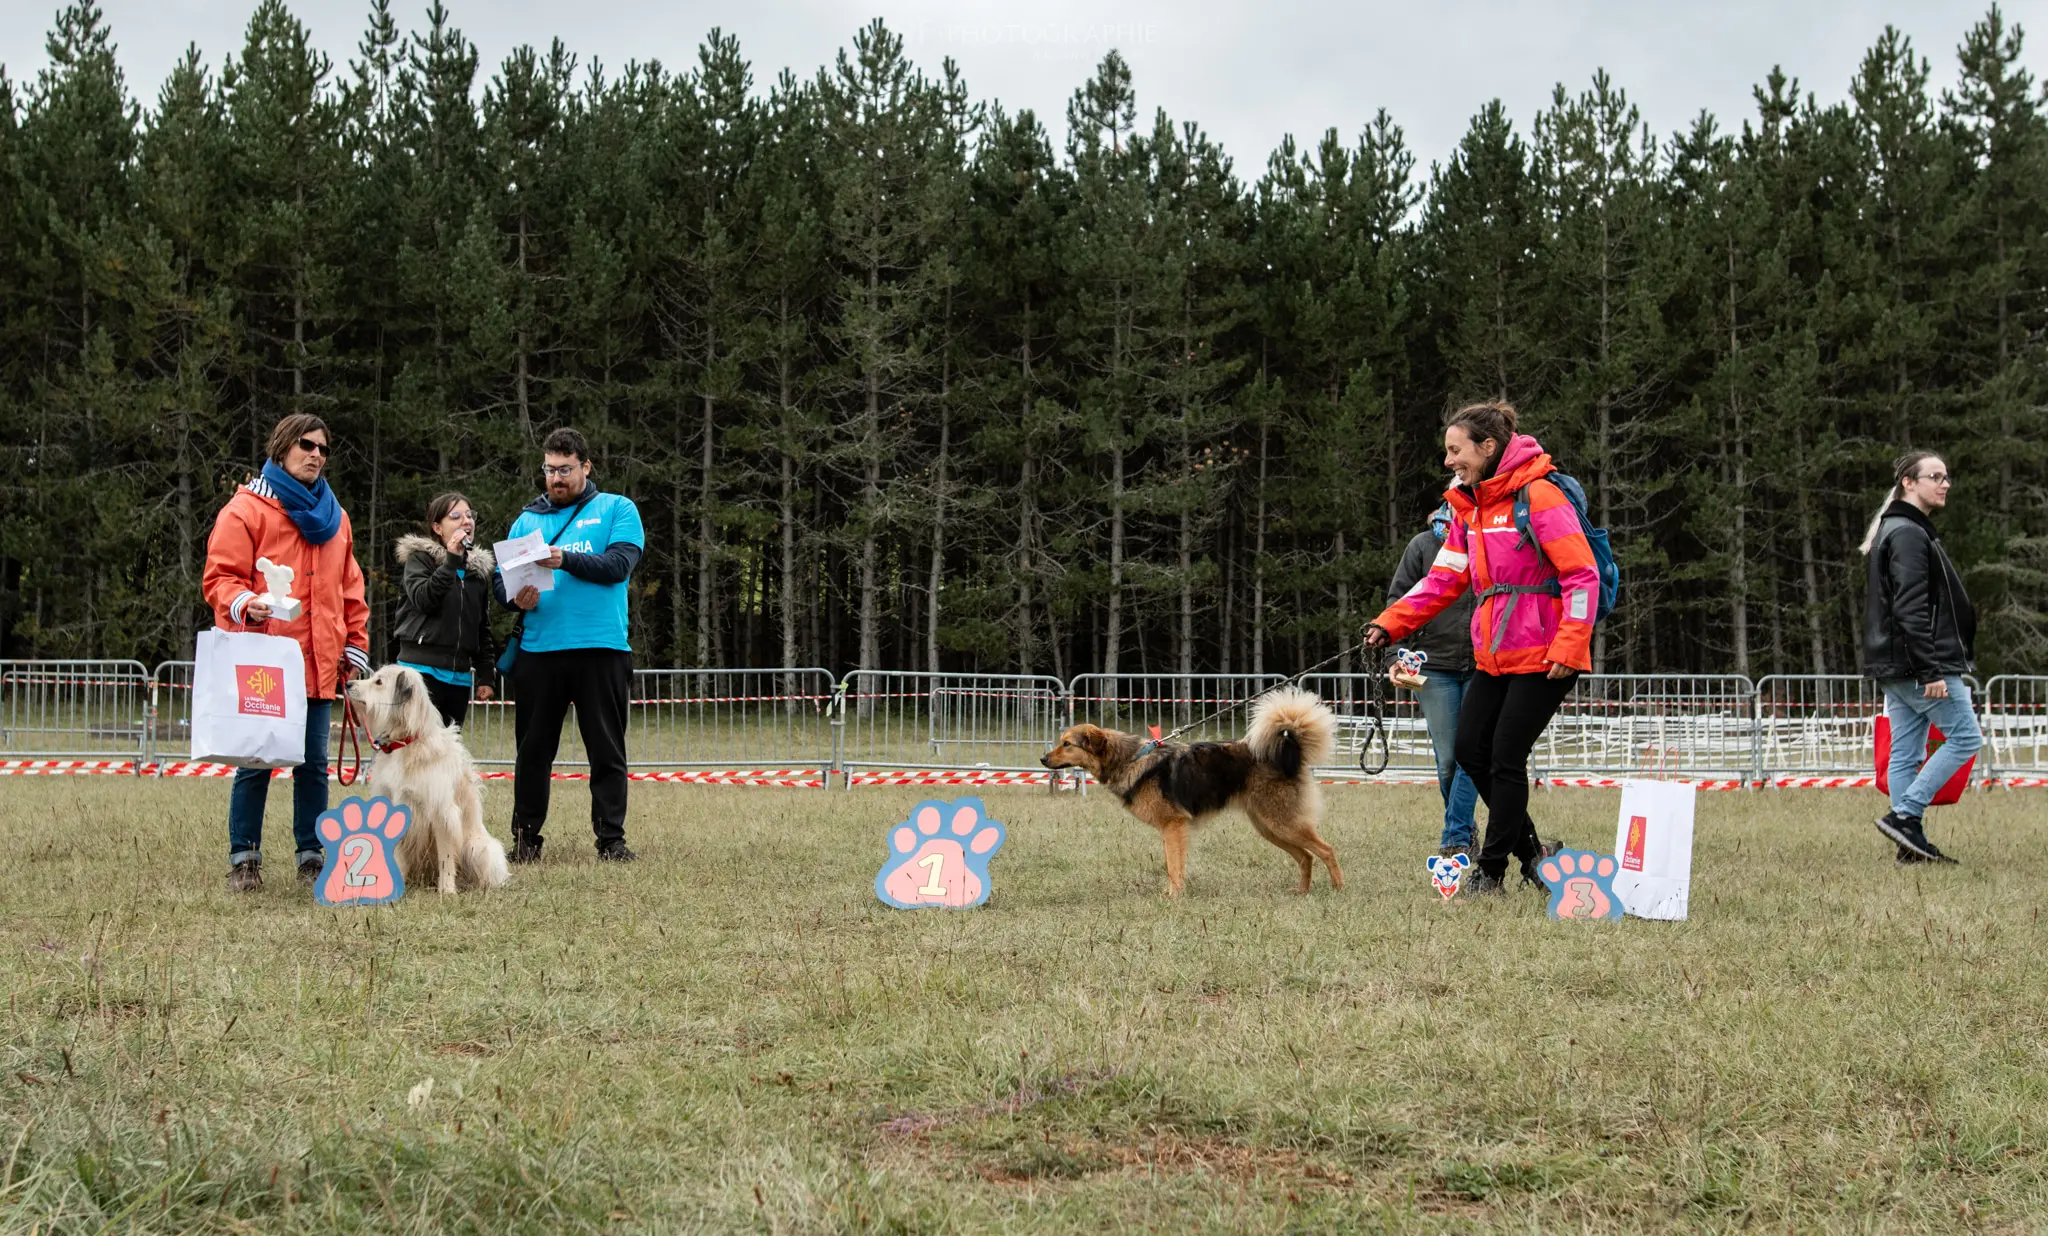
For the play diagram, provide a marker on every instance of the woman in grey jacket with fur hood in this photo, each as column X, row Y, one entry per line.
column 444, row 619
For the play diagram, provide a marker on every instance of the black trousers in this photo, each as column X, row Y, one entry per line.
column 451, row 701
column 1503, row 716
column 599, row 682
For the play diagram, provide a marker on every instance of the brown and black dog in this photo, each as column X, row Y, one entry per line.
column 1270, row 774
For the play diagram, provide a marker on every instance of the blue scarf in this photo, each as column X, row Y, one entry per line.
column 313, row 511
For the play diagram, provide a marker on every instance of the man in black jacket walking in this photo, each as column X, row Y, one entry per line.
column 1919, row 639
column 1447, row 641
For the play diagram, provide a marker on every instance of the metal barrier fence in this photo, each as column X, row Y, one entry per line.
column 2015, row 717
column 903, row 719
column 1652, row 725
column 1816, row 725
column 170, row 710
column 1822, row 725
column 1708, row 727
column 74, row 710
column 724, row 718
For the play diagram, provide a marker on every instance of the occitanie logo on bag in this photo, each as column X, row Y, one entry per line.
column 259, row 690
column 1632, row 853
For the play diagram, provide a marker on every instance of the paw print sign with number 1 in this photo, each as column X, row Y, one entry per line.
column 938, row 858
column 361, row 840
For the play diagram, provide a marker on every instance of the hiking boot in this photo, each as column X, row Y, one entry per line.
column 615, row 852
column 525, row 850
column 1480, row 884
column 309, row 870
column 246, row 878
column 1452, row 851
column 1907, row 832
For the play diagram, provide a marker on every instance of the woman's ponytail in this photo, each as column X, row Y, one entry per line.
column 1902, row 467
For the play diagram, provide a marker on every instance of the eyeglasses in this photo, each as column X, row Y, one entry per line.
column 312, row 447
column 559, row 470
column 1939, row 478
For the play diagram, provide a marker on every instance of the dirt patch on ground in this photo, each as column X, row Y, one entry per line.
column 1172, row 1152
column 1027, row 1095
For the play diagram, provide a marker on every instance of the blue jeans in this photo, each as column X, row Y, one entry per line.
column 309, row 797
column 1911, row 713
column 1442, row 694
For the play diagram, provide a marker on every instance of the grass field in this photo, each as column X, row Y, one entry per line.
column 734, row 1035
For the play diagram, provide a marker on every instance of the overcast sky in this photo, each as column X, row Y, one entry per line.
column 1248, row 73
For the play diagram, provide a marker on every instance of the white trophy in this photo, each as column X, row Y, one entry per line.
column 277, row 590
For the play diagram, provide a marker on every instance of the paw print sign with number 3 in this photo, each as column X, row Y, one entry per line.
column 360, row 838
column 938, row 858
column 1581, row 884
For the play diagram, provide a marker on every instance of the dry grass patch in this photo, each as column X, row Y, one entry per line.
column 734, row 1035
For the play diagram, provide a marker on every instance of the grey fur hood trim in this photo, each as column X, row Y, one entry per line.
column 480, row 559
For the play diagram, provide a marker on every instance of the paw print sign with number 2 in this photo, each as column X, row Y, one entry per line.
column 938, row 858
column 361, row 839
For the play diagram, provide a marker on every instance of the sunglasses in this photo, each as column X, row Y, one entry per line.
column 312, row 447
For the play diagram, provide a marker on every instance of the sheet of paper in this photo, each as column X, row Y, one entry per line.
column 520, row 550
column 520, row 576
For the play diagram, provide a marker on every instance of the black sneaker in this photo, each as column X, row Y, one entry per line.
column 1906, row 831
column 1480, row 884
column 1530, row 875
column 526, row 850
column 1907, row 858
column 615, row 852
column 1932, row 853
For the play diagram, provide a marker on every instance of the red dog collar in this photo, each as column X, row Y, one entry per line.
column 388, row 747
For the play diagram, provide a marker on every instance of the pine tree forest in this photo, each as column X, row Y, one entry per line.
column 900, row 379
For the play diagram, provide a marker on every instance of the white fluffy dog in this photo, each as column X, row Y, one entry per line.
column 422, row 764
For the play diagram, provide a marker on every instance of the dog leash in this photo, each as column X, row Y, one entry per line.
column 1376, row 715
column 350, row 723
column 1153, row 744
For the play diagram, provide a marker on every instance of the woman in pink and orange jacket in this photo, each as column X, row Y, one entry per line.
column 1531, row 631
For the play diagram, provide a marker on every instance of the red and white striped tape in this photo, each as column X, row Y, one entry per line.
column 1615, row 783
column 947, row 776
column 801, row 778
column 813, row 778
column 59, row 768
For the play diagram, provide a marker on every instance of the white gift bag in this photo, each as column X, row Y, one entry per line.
column 1653, row 840
column 249, row 700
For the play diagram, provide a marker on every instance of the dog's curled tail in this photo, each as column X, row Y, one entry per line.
column 1291, row 730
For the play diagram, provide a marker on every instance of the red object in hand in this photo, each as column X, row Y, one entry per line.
column 1949, row 794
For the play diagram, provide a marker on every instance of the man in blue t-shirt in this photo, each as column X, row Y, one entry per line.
column 572, row 646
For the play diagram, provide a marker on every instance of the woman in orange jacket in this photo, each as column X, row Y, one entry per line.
column 1531, row 631
column 289, row 515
